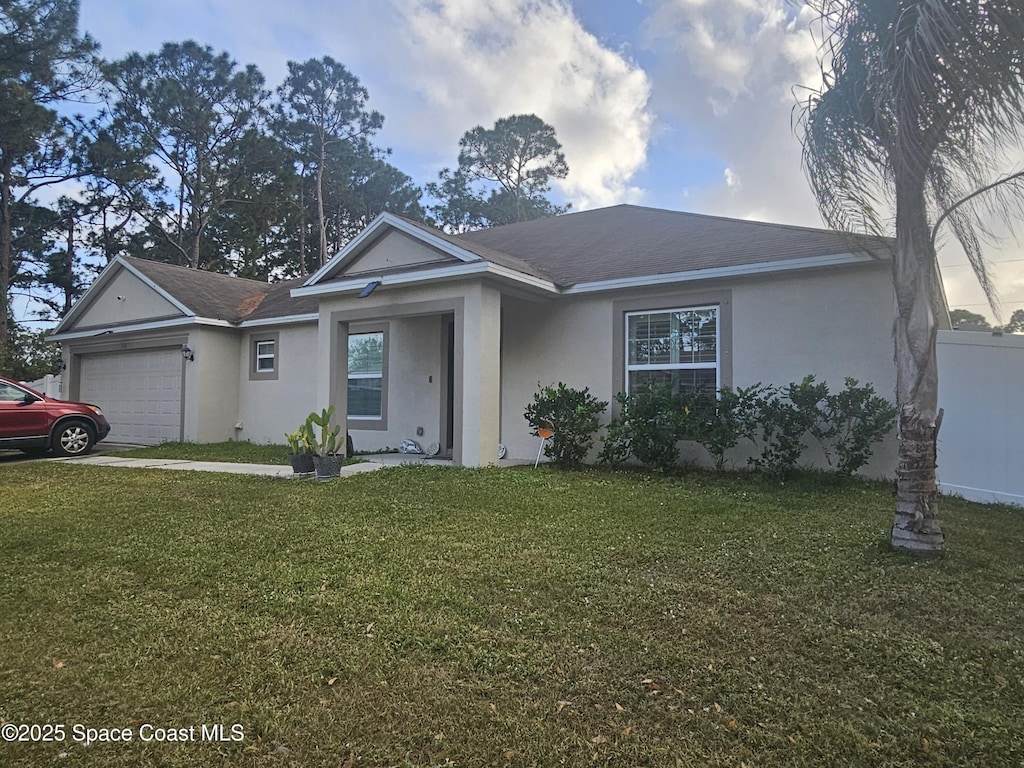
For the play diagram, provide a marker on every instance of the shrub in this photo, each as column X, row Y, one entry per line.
column 846, row 424
column 785, row 416
column 649, row 427
column 719, row 423
column 652, row 422
column 573, row 416
column 859, row 419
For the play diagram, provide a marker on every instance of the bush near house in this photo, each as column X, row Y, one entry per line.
column 572, row 414
column 780, row 421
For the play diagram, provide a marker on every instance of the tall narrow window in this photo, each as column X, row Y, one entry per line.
column 366, row 376
column 678, row 347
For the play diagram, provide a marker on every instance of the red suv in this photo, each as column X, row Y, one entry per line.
column 35, row 423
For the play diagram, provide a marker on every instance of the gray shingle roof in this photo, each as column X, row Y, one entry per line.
column 622, row 241
column 213, row 295
column 208, row 294
column 630, row 241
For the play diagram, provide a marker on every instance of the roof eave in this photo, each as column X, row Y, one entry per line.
column 713, row 273
column 150, row 325
column 449, row 272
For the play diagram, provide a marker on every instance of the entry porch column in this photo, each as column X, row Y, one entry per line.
column 478, row 375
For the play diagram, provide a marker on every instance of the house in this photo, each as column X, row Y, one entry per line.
column 415, row 333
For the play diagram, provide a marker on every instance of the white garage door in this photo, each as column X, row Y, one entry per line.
column 139, row 392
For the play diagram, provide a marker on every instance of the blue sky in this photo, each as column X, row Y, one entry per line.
column 680, row 104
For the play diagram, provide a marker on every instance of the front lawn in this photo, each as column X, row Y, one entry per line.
column 423, row 616
column 235, row 451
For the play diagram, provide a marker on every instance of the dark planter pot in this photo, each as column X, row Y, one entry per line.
column 328, row 467
column 302, row 463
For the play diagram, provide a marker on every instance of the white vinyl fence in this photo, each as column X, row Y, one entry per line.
column 981, row 440
column 48, row 385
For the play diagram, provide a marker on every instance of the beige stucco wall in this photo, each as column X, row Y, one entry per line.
column 270, row 409
column 415, row 362
column 211, row 385
column 414, row 385
column 830, row 323
column 395, row 249
column 138, row 302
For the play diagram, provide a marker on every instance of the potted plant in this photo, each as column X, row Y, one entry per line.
column 300, row 452
column 326, row 461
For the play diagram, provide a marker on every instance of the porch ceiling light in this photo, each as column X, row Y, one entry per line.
column 370, row 288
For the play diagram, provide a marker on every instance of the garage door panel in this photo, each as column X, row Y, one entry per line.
column 139, row 392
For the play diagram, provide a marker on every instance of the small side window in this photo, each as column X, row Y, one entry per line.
column 263, row 355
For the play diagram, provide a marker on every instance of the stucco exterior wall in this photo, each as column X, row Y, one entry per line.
column 546, row 342
column 415, row 357
column 395, row 250
column 413, row 384
column 271, row 408
column 137, row 302
column 211, row 385
column 830, row 323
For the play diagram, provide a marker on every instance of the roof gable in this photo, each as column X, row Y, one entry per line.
column 376, row 250
column 122, row 295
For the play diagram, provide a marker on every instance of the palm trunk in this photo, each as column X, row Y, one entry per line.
column 916, row 528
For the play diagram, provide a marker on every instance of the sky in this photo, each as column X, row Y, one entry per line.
column 680, row 104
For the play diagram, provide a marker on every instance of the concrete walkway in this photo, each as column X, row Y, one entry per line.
column 265, row 470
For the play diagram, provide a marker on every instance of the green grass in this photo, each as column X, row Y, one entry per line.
column 422, row 616
column 234, row 451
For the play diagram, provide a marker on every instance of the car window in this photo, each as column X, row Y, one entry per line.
column 10, row 393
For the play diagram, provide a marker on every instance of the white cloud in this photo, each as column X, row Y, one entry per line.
column 479, row 60
column 727, row 70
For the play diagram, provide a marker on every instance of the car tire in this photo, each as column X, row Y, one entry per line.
column 73, row 438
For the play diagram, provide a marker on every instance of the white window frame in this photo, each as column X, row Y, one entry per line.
column 262, row 356
column 364, row 421
column 257, row 354
column 717, row 365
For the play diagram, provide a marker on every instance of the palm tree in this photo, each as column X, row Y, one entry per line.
column 921, row 99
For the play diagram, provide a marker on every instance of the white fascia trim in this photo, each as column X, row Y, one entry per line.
column 741, row 270
column 287, row 320
column 441, row 273
column 150, row 326
column 459, row 270
column 389, row 220
column 537, row 282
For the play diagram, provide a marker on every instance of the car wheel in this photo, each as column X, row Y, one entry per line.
column 73, row 438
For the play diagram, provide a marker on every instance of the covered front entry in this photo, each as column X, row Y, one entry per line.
column 139, row 392
column 441, row 371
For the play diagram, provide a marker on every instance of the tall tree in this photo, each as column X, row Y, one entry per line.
column 322, row 105
column 504, row 175
column 919, row 99
column 43, row 61
column 1016, row 322
column 190, row 113
column 965, row 316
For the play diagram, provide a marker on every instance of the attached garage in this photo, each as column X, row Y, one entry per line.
column 139, row 392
